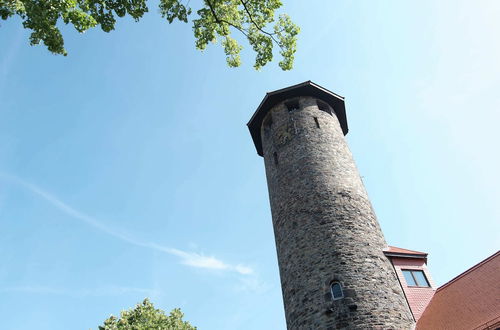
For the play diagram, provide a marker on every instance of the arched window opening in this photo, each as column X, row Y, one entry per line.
column 336, row 290
column 323, row 106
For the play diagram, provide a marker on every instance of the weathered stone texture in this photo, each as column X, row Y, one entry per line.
column 325, row 227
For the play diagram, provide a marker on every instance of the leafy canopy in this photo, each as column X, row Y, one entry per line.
column 216, row 19
column 146, row 317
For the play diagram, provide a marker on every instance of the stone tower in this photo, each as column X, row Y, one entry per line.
column 334, row 274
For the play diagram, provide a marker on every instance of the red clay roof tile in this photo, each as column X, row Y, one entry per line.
column 393, row 249
column 469, row 301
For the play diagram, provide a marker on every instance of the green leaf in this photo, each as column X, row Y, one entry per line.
column 145, row 317
column 254, row 19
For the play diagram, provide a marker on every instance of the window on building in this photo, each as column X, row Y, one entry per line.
column 415, row 278
column 336, row 290
column 323, row 106
column 292, row 105
column 316, row 121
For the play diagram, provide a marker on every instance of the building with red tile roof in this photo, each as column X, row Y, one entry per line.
column 392, row 250
column 414, row 277
column 470, row 301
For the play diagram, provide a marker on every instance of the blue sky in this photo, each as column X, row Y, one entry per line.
column 127, row 170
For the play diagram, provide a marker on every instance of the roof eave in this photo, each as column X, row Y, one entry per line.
column 405, row 255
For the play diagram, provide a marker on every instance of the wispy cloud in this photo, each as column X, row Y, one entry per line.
column 198, row 260
column 192, row 259
column 105, row 291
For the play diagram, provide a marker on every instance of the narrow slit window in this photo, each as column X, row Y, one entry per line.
column 323, row 106
column 336, row 290
column 275, row 156
column 292, row 105
column 316, row 121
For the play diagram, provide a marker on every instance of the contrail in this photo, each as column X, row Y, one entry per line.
column 192, row 259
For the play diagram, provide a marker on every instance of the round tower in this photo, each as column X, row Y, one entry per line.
column 334, row 274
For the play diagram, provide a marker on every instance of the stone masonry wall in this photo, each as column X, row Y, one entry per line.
column 325, row 227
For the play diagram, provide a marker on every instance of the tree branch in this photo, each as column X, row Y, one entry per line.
column 219, row 20
column 257, row 26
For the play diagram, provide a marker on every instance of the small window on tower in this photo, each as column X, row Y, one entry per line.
column 292, row 105
column 415, row 278
column 323, row 106
column 336, row 290
column 316, row 121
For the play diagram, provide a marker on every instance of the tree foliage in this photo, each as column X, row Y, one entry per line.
column 146, row 317
column 214, row 20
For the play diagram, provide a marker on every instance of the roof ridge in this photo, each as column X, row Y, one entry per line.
column 469, row 270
